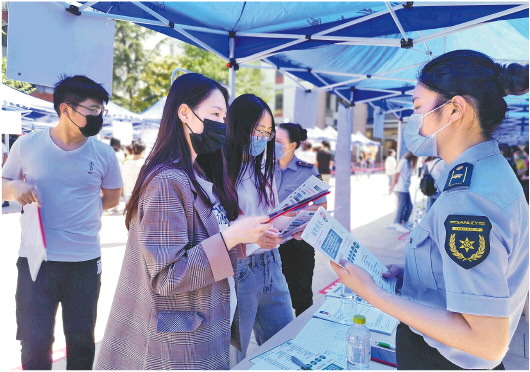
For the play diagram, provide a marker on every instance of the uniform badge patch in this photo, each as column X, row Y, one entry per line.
column 467, row 239
column 459, row 176
column 301, row 163
column 319, row 177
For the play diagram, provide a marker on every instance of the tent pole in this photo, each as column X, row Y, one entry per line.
column 343, row 168
column 87, row 4
column 233, row 66
column 329, row 87
column 400, row 122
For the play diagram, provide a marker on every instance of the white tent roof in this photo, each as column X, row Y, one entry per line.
column 12, row 98
column 119, row 113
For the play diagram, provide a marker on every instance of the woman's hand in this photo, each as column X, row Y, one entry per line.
column 394, row 270
column 354, row 277
column 246, row 230
column 270, row 239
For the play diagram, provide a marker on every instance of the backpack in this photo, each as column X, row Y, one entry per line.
column 427, row 185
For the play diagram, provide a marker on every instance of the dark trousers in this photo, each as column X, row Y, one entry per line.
column 404, row 207
column 298, row 263
column 412, row 352
column 76, row 286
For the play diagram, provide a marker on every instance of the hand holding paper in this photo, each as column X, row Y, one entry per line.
column 328, row 236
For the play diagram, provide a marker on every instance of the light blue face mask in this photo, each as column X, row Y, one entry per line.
column 418, row 144
column 257, row 145
column 278, row 150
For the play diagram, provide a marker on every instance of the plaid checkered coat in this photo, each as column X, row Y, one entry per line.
column 171, row 308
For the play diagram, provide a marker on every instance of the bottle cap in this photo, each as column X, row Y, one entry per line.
column 359, row 319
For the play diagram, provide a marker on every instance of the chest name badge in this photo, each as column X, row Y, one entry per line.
column 467, row 239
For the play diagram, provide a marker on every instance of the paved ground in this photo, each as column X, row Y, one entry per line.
column 372, row 212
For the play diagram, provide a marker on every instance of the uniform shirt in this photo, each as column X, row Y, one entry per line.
column 454, row 235
column 222, row 220
column 69, row 184
column 295, row 174
column 248, row 200
column 405, row 172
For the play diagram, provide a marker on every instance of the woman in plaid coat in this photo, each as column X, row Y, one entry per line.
column 175, row 302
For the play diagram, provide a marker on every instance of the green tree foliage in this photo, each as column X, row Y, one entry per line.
column 18, row 85
column 130, row 57
column 157, row 73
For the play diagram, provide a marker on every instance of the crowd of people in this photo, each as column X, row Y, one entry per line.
column 203, row 266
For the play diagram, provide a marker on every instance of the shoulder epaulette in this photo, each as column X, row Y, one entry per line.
column 460, row 175
column 301, row 163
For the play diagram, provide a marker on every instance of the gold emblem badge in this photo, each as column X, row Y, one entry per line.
column 467, row 245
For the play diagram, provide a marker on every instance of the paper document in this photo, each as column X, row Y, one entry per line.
column 310, row 190
column 296, row 224
column 327, row 235
column 376, row 320
column 280, row 358
column 336, row 291
column 31, row 222
column 320, row 336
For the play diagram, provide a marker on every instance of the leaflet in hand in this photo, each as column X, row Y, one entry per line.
column 328, row 236
column 296, row 224
column 31, row 222
column 310, row 190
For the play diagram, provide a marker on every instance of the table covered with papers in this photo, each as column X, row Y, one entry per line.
column 318, row 338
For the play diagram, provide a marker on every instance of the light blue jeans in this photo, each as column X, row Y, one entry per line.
column 263, row 298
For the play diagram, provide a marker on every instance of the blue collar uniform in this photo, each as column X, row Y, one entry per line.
column 296, row 173
column 470, row 253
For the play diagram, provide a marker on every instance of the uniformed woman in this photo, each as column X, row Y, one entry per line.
column 298, row 257
column 466, row 270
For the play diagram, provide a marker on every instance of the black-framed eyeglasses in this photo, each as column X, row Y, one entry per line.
column 264, row 134
column 94, row 111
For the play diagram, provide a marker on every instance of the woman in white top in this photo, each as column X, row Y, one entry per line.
column 131, row 168
column 262, row 293
column 401, row 185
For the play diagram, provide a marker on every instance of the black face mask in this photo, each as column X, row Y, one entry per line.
column 93, row 125
column 211, row 139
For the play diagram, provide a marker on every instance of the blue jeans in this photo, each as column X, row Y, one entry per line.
column 263, row 298
column 404, row 207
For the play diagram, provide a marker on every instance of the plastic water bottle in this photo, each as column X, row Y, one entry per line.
column 418, row 216
column 359, row 344
column 348, row 304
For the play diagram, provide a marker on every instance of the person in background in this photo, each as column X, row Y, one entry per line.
column 131, row 169
column 324, row 161
column 434, row 166
column 128, row 150
column 298, row 257
column 262, row 293
column 72, row 177
column 305, row 153
column 390, row 166
column 400, row 186
column 465, row 280
column 5, row 153
column 175, row 302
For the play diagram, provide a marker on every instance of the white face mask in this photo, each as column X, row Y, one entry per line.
column 418, row 144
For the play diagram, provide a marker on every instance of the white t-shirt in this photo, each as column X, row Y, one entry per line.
column 405, row 172
column 247, row 193
column 129, row 171
column 223, row 222
column 69, row 184
column 390, row 166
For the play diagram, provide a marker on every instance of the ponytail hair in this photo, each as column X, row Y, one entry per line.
column 296, row 133
column 482, row 82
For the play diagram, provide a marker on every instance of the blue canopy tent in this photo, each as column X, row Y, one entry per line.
column 361, row 51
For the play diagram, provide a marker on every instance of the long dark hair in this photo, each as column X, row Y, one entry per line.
column 411, row 159
column 171, row 149
column 295, row 131
column 482, row 82
column 243, row 116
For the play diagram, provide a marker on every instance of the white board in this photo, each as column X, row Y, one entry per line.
column 11, row 122
column 45, row 42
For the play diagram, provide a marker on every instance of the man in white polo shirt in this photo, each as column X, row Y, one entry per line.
column 72, row 177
